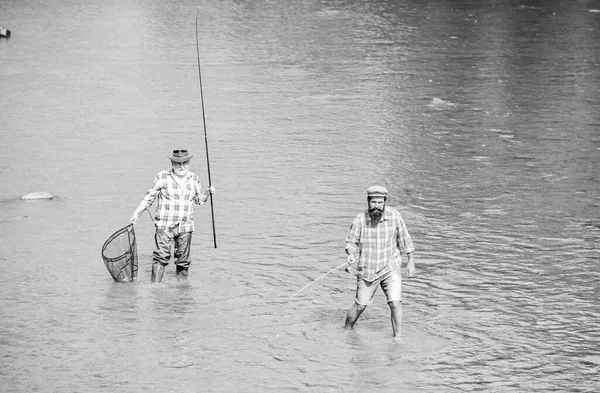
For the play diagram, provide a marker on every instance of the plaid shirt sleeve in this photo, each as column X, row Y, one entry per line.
column 198, row 191
column 153, row 192
column 405, row 243
column 353, row 238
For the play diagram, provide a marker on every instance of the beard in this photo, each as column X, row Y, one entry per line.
column 375, row 214
column 181, row 171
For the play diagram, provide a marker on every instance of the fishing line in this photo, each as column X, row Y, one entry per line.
column 212, row 213
column 314, row 281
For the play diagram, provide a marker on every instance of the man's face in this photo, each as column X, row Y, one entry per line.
column 180, row 168
column 376, row 207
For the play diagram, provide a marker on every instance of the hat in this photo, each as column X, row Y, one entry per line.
column 377, row 191
column 180, row 156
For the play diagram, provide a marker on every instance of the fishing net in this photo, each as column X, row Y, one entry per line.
column 120, row 255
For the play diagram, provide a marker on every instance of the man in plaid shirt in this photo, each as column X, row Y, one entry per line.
column 376, row 239
column 176, row 191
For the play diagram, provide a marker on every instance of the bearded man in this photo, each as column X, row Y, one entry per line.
column 376, row 239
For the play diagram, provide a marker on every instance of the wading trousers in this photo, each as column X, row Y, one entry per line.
column 164, row 242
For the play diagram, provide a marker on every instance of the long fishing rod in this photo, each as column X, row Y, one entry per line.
column 212, row 212
column 314, row 281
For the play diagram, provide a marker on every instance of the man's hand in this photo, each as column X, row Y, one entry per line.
column 351, row 258
column 211, row 189
column 136, row 214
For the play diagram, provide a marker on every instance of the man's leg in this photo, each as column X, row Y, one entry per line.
column 396, row 311
column 161, row 255
column 353, row 314
column 158, row 271
column 364, row 296
column 392, row 287
column 183, row 244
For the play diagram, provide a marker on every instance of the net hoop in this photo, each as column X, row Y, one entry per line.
column 120, row 257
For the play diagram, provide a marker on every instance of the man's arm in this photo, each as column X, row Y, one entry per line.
column 201, row 197
column 410, row 266
column 353, row 241
column 201, row 200
column 406, row 245
column 147, row 201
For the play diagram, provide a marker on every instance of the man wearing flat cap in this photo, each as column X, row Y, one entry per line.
column 377, row 238
column 176, row 190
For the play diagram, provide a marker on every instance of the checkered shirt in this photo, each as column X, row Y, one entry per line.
column 377, row 245
column 175, row 203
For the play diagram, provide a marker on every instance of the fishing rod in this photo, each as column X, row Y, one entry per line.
column 212, row 212
column 314, row 281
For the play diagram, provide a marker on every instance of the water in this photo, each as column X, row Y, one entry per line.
column 481, row 118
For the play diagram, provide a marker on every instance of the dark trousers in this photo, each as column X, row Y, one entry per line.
column 165, row 240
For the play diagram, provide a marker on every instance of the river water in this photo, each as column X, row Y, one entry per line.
column 482, row 118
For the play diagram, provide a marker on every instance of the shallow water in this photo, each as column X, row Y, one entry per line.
column 481, row 119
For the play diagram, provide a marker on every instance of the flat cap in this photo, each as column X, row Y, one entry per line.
column 377, row 191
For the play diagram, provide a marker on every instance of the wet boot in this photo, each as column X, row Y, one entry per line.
column 157, row 272
column 181, row 272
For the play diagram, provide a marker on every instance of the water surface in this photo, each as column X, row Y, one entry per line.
column 481, row 118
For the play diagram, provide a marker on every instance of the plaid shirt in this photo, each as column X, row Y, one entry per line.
column 377, row 245
column 175, row 203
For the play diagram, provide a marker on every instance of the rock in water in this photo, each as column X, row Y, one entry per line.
column 37, row 195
